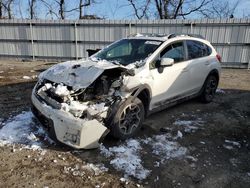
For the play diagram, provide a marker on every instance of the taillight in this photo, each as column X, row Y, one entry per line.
column 218, row 57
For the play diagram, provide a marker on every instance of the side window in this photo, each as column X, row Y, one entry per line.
column 174, row 51
column 197, row 49
column 209, row 50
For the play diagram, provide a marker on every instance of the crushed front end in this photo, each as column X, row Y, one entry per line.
column 76, row 117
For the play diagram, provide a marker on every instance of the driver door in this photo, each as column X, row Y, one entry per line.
column 170, row 82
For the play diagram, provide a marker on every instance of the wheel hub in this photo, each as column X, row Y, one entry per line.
column 130, row 118
column 211, row 88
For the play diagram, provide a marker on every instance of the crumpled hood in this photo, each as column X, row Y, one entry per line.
column 78, row 74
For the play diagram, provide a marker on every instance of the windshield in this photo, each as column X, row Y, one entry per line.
column 127, row 51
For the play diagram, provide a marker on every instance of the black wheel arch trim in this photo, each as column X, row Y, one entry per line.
column 212, row 72
column 135, row 92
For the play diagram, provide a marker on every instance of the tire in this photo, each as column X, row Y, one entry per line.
column 128, row 119
column 209, row 89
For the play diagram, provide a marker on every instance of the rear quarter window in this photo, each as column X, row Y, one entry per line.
column 197, row 49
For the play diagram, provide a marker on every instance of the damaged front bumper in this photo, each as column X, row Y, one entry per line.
column 75, row 132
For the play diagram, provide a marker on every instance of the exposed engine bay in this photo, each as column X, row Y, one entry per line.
column 77, row 107
column 91, row 102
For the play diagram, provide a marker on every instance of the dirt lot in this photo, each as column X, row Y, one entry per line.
column 189, row 145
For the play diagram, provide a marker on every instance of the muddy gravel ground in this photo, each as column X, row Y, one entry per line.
column 189, row 145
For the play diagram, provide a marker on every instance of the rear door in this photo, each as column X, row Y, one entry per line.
column 199, row 60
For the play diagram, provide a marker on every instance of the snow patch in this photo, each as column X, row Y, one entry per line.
column 234, row 143
column 22, row 129
column 80, row 170
column 179, row 135
column 127, row 158
column 189, row 125
column 202, row 142
column 26, row 77
column 166, row 148
column 228, row 147
column 218, row 90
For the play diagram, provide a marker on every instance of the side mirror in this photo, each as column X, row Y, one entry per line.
column 92, row 52
column 167, row 62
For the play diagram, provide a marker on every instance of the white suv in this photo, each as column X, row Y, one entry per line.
column 79, row 102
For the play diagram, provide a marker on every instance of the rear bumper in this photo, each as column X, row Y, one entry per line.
column 75, row 132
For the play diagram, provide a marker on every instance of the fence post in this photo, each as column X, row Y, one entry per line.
column 32, row 41
column 248, row 61
column 76, row 50
column 130, row 28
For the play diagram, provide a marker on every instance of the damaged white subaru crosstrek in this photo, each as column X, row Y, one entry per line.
column 79, row 102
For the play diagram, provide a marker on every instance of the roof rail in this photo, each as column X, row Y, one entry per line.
column 182, row 34
column 167, row 36
column 147, row 35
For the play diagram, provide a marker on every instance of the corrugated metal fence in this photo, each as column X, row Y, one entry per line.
column 62, row 40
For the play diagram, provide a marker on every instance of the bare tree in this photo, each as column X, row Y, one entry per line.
column 222, row 9
column 9, row 3
column 60, row 5
column 81, row 5
column 1, row 9
column 61, row 9
column 51, row 10
column 172, row 9
column 32, row 4
column 140, row 11
column 5, row 6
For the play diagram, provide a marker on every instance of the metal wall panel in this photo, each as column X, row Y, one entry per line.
column 68, row 39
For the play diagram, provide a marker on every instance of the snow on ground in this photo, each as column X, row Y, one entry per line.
column 234, row 143
column 80, row 170
column 26, row 77
column 22, row 129
column 189, row 125
column 165, row 148
column 218, row 90
column 127, row 157
column 231, row 144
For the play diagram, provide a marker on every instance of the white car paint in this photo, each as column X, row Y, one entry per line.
column 179, row 80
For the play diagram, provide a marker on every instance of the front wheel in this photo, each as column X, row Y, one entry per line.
column 209, row 89
column 128, row 119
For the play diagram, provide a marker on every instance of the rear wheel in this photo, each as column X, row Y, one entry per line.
column 128, row 119
column 209, row 89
